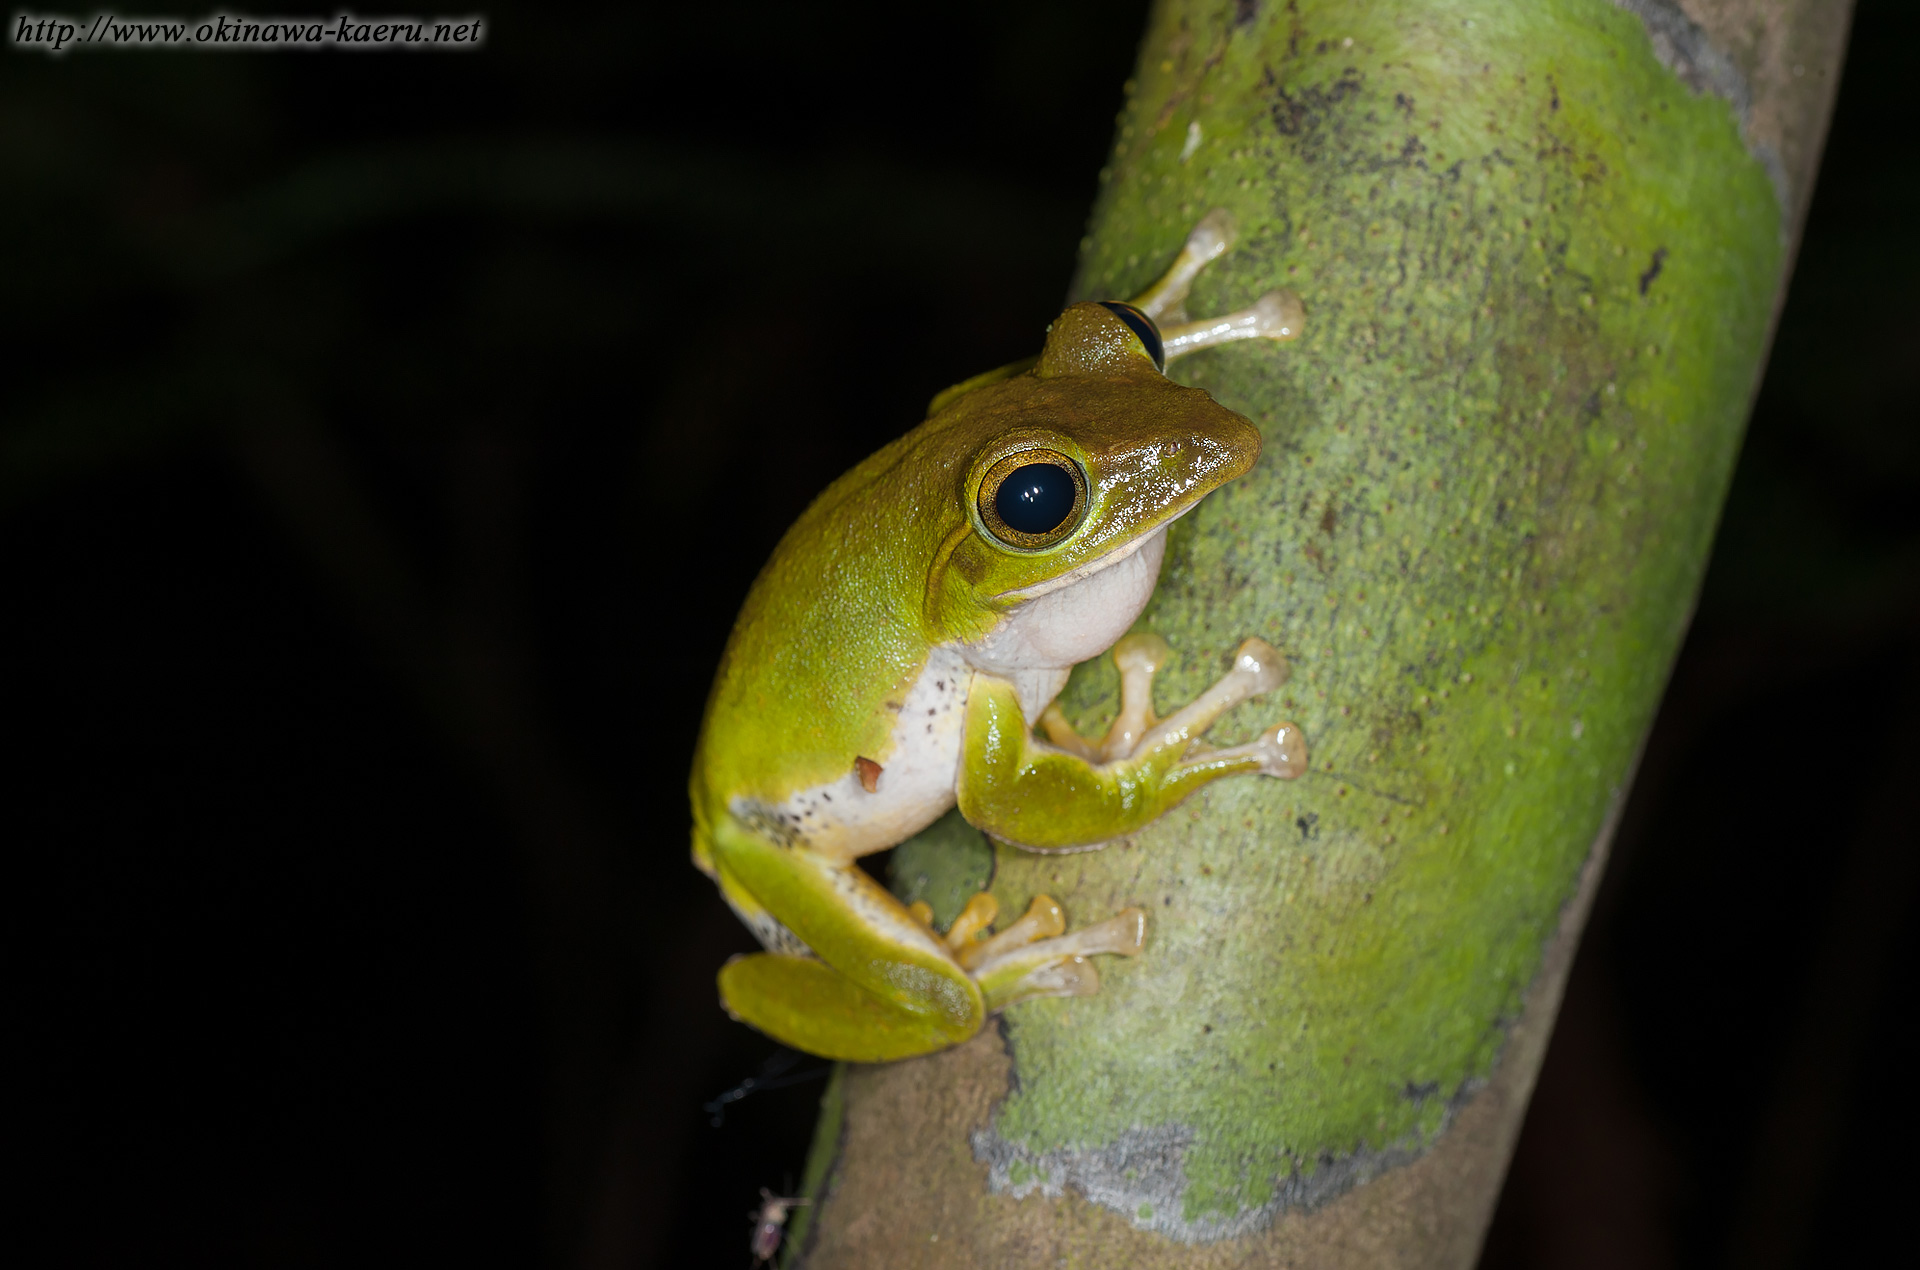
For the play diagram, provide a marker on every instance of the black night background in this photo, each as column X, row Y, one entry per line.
column 388, row 441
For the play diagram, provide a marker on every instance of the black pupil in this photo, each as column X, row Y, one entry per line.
column 1035, row 499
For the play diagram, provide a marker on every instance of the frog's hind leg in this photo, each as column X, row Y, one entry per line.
column 849, row 972
column 805, row 1003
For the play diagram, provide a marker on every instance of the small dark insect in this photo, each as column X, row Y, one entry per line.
column 770, row 1222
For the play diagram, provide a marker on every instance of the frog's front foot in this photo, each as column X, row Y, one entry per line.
column 1137, row 732
column 1257, row 668
column 1277, row 315
column 1035, row 956
column 1074, row 793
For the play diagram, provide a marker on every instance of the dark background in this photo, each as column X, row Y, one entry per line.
column 388, row 441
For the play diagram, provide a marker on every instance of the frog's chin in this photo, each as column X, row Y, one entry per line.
column 1080, row 615
column 1156, row 536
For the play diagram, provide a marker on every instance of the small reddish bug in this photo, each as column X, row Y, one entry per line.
column 770, row 1222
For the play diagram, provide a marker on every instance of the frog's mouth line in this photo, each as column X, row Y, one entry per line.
column 1091, row 567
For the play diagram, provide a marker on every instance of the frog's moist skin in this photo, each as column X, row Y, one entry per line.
column 842, row 818
column 910, row 632
column 1035, row 649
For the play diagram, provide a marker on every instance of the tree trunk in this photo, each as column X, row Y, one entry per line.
column 1540, row 246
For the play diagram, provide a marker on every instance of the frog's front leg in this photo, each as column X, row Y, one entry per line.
column 1138, row 658
column 1277, row 315
column 1072, row 794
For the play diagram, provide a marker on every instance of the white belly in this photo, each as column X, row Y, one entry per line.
column 915, row 788
column 1053, row 627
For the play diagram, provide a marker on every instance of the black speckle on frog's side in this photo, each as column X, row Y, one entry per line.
column 779, row 826
column 1142, row 326
column 1309, row 826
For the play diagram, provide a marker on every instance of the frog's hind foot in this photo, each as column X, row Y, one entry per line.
column 971, row 926
column 1043, row 920
column 1033, row 958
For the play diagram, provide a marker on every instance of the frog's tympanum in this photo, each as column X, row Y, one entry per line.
column 911, row 631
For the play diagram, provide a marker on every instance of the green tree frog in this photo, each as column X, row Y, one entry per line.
column 907, row 637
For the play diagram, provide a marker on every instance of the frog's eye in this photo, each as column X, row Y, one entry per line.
column 1033, row 498
column 1143, row 329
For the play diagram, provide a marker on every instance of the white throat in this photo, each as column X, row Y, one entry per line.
column 1070, row 620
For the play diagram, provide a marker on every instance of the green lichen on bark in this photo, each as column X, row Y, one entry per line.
column 1538, row 270
column 945, row 864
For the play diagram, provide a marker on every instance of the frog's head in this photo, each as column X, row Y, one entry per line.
column 1072, row 473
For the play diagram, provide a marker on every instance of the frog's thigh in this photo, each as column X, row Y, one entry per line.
column 856, row 928
column 805, row 1003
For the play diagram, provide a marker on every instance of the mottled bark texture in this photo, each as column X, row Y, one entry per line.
column 1540, row 246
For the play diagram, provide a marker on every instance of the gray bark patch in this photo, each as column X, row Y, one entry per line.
column 1142, row 1176
column 1683, row 48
